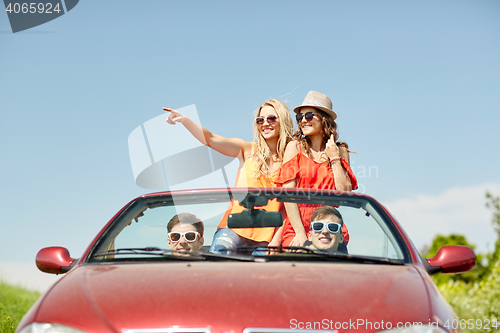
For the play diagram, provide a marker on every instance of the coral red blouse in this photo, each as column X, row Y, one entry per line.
column 313, row 175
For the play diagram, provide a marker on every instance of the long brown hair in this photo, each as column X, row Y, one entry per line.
column 329, row 127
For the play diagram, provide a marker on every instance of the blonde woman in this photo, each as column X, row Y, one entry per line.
column 315, row 160
column 260, row 162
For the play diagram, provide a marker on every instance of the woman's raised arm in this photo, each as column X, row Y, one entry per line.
column 233, row 147
column 334, row 152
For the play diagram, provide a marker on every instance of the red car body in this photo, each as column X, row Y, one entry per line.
column 234, row 296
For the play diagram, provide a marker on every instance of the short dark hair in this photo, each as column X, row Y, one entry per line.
column 323, row 211
column 186, row 218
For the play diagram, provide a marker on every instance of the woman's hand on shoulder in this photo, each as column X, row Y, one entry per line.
column 174, row 116
column 331, row 148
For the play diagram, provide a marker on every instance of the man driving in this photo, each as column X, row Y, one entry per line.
column 185, row 233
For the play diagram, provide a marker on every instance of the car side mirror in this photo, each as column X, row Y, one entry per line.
column 452, row 259
column 54, row 260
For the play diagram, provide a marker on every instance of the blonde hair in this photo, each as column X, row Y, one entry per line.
column 262, row 153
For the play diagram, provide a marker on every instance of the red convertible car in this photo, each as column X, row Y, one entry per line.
column 150, row 270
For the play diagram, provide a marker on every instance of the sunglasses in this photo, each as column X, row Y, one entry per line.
column 190, row 236
column 271, row 119
column 331, row 226
column 308, row 115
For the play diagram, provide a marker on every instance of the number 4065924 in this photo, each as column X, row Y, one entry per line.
column 484, row 324
column 32, row 8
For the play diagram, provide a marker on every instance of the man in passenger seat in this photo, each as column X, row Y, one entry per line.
column 326, row 230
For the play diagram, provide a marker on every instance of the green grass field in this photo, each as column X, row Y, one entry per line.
column 476, row 304
column 14, row 303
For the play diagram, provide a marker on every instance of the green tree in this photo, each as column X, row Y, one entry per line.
column 481, row 271
column 494, row 204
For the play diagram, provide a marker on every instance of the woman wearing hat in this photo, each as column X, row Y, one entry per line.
column 314, row 159
column 260, row 161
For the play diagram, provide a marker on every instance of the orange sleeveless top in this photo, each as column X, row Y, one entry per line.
column 246, row 177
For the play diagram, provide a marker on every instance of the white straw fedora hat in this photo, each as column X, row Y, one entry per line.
column 319, row 101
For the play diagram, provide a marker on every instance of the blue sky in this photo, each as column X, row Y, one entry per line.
column 416, row 86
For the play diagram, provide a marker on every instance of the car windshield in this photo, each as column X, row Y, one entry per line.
column 140, row 231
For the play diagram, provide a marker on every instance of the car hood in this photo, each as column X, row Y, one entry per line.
column 232, row 296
